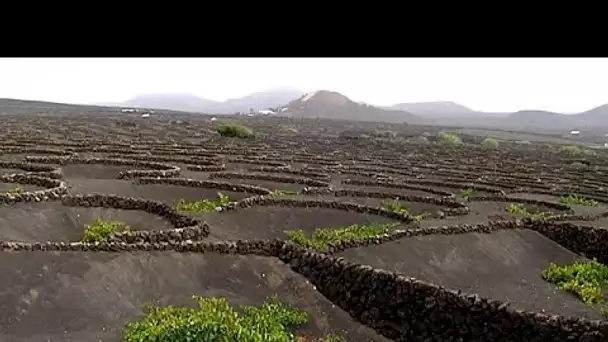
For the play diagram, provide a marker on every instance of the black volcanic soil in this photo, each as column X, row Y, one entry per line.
column 578, row 209
column 413, row 207
column 96, row 171
column 156, row 192
column 267, row 222
column 263, row 183
column 76, row 296
column 51, row 221
column 503, row 265
column 397, row 192
column 88, row 297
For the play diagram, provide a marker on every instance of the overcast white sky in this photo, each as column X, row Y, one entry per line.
column 492, row 84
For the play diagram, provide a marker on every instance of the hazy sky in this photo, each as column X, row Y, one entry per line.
column 492, row 84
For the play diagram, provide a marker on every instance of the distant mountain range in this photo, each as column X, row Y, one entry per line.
column 328, row 104
column 331, row 105
column 271, row 98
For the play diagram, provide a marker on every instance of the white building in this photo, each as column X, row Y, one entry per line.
column 575, row 132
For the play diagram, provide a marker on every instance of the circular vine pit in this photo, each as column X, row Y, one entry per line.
column 266, row 217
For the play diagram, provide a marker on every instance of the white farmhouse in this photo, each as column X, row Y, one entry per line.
column 265, row 111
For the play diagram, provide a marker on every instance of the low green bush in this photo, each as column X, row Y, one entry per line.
column 518, row 209
column 466, row 194
column 235, row 131
column 102, row 230
column 586, row 279
column 322, row 237
column 574, row 151
column 215, row 320
column 385, row 135
column 400, row 208
column 449, row 139
column 489, row 144
column 573, row 199
column 15, row 191
column 203, row 205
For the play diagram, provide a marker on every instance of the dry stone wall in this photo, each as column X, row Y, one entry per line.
column 398, row 186
column 195, row 183
column 406, row 309
column 271, row 178
column 309, row 203
column 55, row 188
column 129, row 203
column 287, row 170
column 552, row 205
column 589, row 241
column 398, row 307
column 156, row 169
column 453, row 208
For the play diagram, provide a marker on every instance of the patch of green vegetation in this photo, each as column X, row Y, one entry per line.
column 216, row 320
column 286, row 192
column 385, row 134
column 16, row 191
column 489, row 144
column 573, row 150
column 400, row 208
column 102, row 230
column 321, row 237
column 235, row 131
column 449, row 139
column 290, row 130
column 518, row 209
column 578, row 165
column 466, row 194
column 586, row 279
column 203, row 205
column 573, row 199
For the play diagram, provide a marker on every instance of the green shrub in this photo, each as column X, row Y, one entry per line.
column 203, row 205
column 385, row 134
column 321, row 237
column 573, row 199
column 466, row 194
column 15, row 191
column 234, row 131
column 573, row 151
column 216, row 320
column 449, row 139
column 400, row 208
column 518, row 209
column 586, row 279
column 290, row 130
column 489, row 144
column 102, row 230
column 578, row 165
